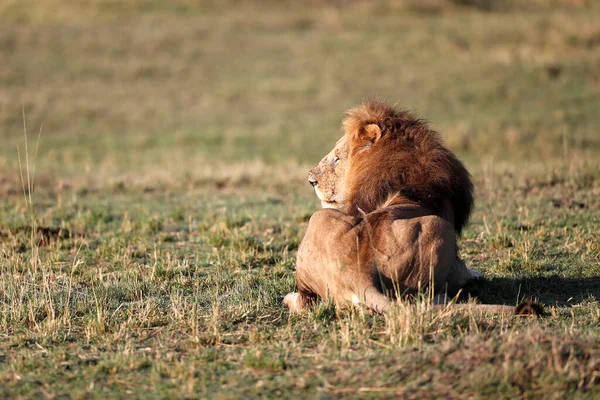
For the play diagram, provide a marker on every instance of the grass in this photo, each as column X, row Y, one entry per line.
column 169, row 198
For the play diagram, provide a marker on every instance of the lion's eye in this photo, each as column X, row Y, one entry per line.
column 336, row 159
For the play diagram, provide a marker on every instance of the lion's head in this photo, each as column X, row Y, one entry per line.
column 389, row 154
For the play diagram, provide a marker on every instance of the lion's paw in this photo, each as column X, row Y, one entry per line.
column 294, row 302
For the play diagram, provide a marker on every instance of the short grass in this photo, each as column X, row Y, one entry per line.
column 169, row 195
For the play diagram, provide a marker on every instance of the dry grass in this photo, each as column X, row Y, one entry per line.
column 158, row 239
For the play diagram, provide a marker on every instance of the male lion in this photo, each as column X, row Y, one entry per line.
column 394, row 200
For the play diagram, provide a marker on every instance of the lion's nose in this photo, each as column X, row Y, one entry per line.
column 312, row 181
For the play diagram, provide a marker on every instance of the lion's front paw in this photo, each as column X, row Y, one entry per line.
column 294, row 302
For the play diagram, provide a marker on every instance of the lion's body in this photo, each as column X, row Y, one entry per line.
column 372, row 259
column 401, row 199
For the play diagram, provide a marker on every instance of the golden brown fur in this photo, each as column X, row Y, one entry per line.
column 394, row 232
column 396, row 153
column 370, row 259
column 394, row 200
column 408, row 161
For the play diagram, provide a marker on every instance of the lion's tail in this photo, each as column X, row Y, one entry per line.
column 527, row 308
column 382, row 304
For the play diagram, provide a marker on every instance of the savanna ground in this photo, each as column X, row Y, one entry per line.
column 169, row 195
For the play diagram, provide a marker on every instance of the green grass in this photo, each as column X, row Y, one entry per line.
column 172, row 169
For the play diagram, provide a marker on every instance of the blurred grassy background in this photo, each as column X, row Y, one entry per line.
column 151, row 86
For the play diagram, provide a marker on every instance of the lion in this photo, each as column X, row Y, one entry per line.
column 394, row 202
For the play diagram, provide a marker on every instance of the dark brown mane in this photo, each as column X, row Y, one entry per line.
column 393, row 153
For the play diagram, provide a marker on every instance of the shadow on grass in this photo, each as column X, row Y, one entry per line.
column 549, row 290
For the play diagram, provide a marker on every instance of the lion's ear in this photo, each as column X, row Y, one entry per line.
column 371, row 133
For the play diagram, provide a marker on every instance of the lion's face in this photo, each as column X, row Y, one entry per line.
column 328, row 176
